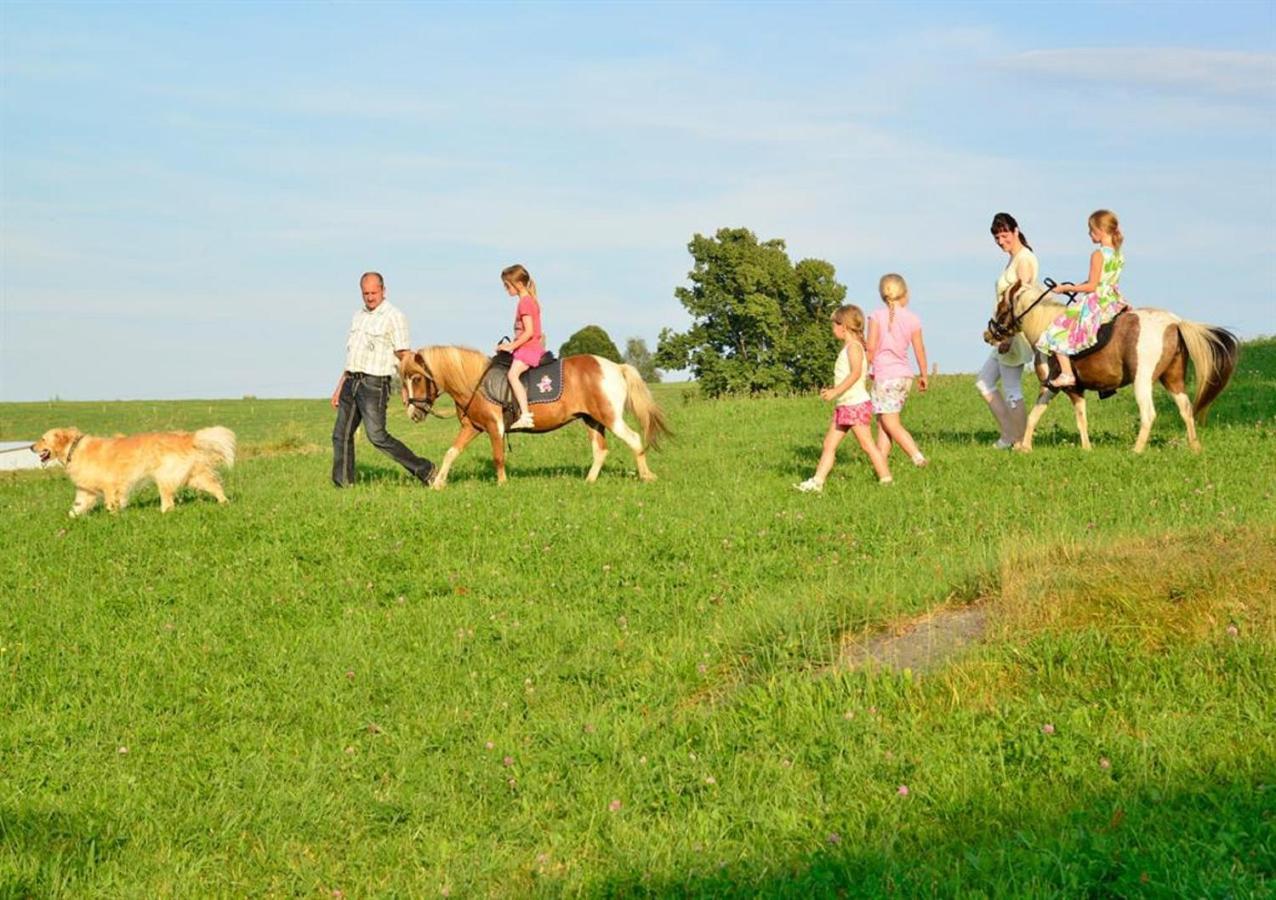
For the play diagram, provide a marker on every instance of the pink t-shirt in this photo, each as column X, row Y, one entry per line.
column 527, row 306
column 890, row 360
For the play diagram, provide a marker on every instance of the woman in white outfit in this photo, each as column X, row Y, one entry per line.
column 1006, row 362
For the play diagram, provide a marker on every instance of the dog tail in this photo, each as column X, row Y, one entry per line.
column 218, row 442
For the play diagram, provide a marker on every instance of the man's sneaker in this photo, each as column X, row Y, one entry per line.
column 1002, row 444
column 810, row 486
column 524, row 421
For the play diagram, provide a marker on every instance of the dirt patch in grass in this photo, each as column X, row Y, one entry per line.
column 918, row 645
column 1149, row 592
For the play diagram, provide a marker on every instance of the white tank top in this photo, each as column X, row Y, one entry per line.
column 856, row 393
column 1020, row 351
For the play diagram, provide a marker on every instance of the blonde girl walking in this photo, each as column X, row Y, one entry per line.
column 853, row 408
column 891, row 331
column 528, row 345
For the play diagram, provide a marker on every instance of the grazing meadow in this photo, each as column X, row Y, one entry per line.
column 628, row 689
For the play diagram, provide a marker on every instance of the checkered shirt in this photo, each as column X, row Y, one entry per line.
column 374, row 337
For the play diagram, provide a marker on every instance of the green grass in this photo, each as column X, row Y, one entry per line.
column 296, row 694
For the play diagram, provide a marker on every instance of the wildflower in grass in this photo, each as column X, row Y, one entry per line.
column 902, row 790
column 508, row 761
column 642, row 760
column 122, row 751
column 835, row 838
column 848, row 715
column 1232, row 630
column 1105, row 763
column 702, row 668
column 614, row 806
column 589, row 728
column 513, row 783
column 489, row 746
column 349, row 676
column 1047, row 728
column 709, row 779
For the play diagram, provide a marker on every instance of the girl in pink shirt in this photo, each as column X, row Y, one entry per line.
column 528, row 345
column 891, row 331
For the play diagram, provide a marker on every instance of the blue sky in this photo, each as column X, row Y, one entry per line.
column 189, row 192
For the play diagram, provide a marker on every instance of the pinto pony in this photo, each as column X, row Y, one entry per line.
column 1146, row 345
column 595, row 390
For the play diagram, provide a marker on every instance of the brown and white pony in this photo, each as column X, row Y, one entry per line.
column 595, row 390
column 1146, row 345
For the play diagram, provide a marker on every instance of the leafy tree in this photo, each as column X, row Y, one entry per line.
column 638, row 356
column 591, row 339
column 759, row 323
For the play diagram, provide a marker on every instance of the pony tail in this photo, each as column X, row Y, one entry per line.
column 1117, row 239
column 1024, row 240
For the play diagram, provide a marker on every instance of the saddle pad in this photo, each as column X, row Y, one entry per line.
column 1102, row 338
column 544, row 384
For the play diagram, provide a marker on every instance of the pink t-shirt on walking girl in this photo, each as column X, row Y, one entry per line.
column 890, row 359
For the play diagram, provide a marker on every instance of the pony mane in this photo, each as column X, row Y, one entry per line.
column 459, row 367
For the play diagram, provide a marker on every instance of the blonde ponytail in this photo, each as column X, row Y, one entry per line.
column 893, row 289
column 1105, row 221
column 519, row 277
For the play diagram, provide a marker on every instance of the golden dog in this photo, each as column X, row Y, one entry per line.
column 113, row 467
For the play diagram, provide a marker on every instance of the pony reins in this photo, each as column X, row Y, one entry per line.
column 1001, row 332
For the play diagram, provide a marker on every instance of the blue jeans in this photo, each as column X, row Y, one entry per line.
column 363, row 399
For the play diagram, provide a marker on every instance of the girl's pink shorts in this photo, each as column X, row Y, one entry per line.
column 858, row 414
column 530, row 353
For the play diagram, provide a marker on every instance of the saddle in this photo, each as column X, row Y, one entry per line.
column 1101, row 341
column 543, row 383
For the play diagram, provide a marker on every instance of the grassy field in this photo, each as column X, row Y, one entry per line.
column 631, row 689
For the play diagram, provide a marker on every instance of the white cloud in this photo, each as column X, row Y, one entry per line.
column 1226, row 73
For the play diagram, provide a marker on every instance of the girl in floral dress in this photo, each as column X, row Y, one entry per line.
column 1077, row 327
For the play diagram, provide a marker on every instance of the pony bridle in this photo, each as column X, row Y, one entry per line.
column 1002, row 332
column 424, row 404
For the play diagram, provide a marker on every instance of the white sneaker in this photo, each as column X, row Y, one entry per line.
column 523, row 422
column 810, row 486
column 1002, row 444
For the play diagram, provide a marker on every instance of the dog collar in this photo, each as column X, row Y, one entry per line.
column 69, row 450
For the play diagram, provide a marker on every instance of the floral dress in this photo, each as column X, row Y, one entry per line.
column 1077, row 327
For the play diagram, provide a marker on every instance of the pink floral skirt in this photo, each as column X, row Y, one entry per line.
column 854, row 414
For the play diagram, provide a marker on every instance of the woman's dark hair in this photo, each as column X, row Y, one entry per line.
column 1006, row 222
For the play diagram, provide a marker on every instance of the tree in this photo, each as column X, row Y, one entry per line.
column 590, row 339
column 638, row 356
column 759, row 323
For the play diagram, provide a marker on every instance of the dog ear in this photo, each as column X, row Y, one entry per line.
column 63, row 440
